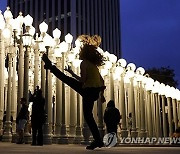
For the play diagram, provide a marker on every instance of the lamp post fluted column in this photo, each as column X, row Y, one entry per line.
column 36, row 68
column 170, row 115
column 42, row 76
column 14, row 92
column 48, row 106
column 157, row 116
column 27, row 136
column 63, row 135
column 2, row 52
column 73, row 110
column 20, row 74
column 58, row 103
column 78, row 136
column 142, row 132
column 26, row 73
column 7, row 136
column 164, row 116
column 178, row 111
column 132, row 102
column 174, row 105
column 149, row 114
column 124, row 132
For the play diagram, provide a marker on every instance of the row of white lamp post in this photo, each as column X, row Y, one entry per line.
column 132, row 91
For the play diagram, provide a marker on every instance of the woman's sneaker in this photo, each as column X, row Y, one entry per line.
column 94, row 145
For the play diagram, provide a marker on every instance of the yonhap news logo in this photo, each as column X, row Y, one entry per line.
column 148, row 140
column 110, row 140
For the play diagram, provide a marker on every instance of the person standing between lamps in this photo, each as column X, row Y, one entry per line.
column 37, row 117
column 111, row 117
column 130, row 123
column 21, row 120
column 90, row 84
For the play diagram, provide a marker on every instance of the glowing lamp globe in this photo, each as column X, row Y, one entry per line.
column 43, row 27
column 68, row 38
column 56, row 33
column 28, row 20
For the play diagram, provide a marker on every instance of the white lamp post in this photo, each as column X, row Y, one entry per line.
column 57, row 53
column 48, row 94
column 7, row 136
column 149, row 87
column 178, row 105
column 64, row 47
column 78, row 134
column 174, row 105
column 36, row 61
column 27, row 41
column 164, row 121
column 157, row 117
column 2, row 53
column 43, row 29
column 140, row 72
column 58, row 56
column 124, row 132
column 169, row 103
column 130, row 73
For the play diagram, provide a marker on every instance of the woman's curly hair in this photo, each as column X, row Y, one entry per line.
column 90, row 53
column 91, row 40
column 89, row 49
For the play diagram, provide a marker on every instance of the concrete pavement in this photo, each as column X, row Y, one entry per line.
column 12, row 148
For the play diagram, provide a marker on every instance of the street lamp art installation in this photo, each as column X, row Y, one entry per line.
column 143, row 97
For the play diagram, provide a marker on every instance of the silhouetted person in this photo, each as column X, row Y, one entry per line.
column 21, row 120
column 90, row 85
column 130, row 122
column 37, row 117
column 111, row 117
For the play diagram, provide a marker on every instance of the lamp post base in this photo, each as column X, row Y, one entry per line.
column 143, row 134
column 27, row 138
column 124, row 133
column 78, row 137
column 7, row 136
column 47, row 139
column 134, row 134
column 63, row 139
column 55, row 139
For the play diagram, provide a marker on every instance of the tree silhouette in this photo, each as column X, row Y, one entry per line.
column 164, row 75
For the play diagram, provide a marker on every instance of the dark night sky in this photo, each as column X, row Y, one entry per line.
column 150, row 32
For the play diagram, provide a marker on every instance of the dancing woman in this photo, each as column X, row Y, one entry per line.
column 90, row 84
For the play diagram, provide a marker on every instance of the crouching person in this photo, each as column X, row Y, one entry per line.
column 111, row 117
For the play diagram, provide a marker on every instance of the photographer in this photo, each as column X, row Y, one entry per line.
column 37, row 117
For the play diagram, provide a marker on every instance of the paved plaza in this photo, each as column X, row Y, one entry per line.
column 12, row 148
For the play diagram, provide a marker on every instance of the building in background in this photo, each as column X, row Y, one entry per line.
column 76, row 17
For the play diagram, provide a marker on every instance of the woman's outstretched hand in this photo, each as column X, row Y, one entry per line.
column 69, row 69
column 47, row 62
